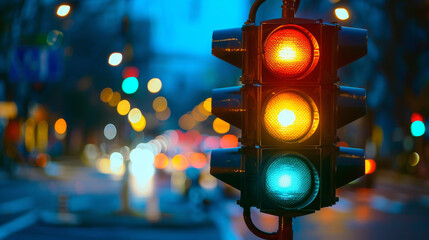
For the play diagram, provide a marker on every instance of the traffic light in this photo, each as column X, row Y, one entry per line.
column 289, row 109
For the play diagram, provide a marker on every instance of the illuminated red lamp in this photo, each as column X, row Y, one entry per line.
column 130, row 72
column 291, row 52
column 370, row 166
column 229, row 141
column 416, row 117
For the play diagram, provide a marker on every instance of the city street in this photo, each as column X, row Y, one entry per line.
column 84, row 204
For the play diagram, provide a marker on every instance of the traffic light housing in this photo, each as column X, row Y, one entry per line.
column 289, row 109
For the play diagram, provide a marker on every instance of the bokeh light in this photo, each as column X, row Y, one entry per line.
column 123, row 107
column 369, row 166
column 63, row 10
column 414, row 159
column 198, row 160
column 418, row 128
column 180, row 162
column 135, row 115
column 130, row 72
column 161, row 161
column 130, row 85
column 416, row 117
column 115, row 59
column 140, row 125
column 54, row 38
column 159, row 104
column 116, row 161
column 106, row 95
column 164, row 115
column 208, row 105
column 342, row 13
column 110, row 131
column 116, row 98
column 41, row 160
column 229, row 141
column 154, row 85
column 186, row 122
column 220, row 126
column 60, row 126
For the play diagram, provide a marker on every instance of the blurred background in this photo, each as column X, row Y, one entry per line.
column 106, row 126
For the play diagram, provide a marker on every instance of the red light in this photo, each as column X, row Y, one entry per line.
column 229, row 141
column 291, row 52
column 416, row 117
column 369, row 166
column 130, row 72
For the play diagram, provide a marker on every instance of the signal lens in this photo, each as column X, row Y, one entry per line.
column 290, row 116
column 291, row 181
column 291, row 52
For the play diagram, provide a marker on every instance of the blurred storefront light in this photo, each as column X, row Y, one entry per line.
column 63, row 10
column 220, row 126
column 123, row 107
column 60, row 126
column 116, row 98
column 110, row 131
column 115, row 59
column 154, row 85
column 159, row 104
column 342, row 13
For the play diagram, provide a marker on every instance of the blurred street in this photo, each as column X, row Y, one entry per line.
column 78, row 202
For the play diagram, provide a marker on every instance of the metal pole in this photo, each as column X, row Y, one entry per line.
column 288, row 9
column 285, row 231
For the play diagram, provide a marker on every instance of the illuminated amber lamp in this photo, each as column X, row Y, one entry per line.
column 291, row 116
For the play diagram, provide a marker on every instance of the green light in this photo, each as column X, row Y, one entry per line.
column 418, row 128
column 291, row 181
column 130, row 85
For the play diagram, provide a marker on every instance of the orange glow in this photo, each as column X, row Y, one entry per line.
column 342, row 144
column 41, row 160
column 123, row 107
column 116, row 98
column 220, row 126
column 60, row 126
column 159, row 104
column 208, row 104
column 161, row 161
column 370, row 166
column 186, row 122
column 229, row 141
column 198, row 160
column 180, row 162
column 291, row 52
column 106, row 95
column 291, row 116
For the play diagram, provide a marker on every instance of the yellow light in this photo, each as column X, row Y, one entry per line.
column 164, row 115
column 291, row 117
column 414, row 159
column 208, row 105
column 140, row 125
column 186, row 122
column 123, row 107
column 342, row 13
column 106, row 95
column 116, row 98
column 8, row 110
column 154, row 85
column 180, row 162
column 60, row 126
column 115, row 59
column 63, row 10
column 370, row 166
column 159, row 104
column 220, row 126
column 134, row 115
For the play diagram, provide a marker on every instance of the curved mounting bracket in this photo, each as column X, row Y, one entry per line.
column 290, row 7
column 284, row 232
